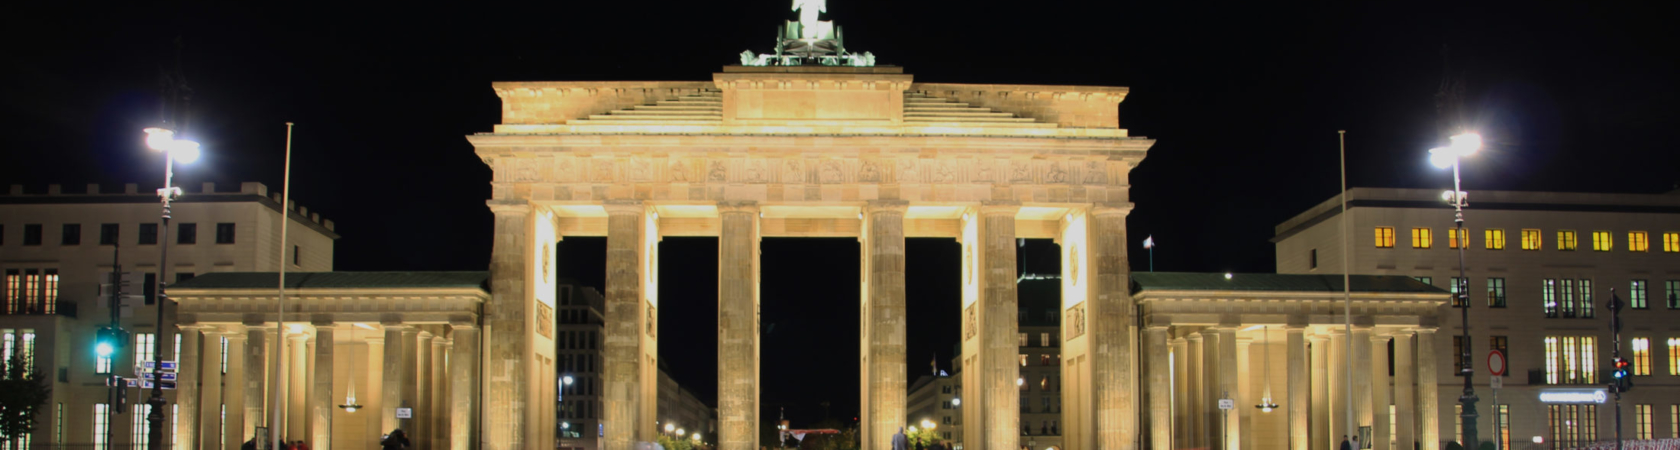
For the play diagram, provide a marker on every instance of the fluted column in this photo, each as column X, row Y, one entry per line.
column 232, row 431
column 738, row 272
column 296, row 424
column 883, row 312
column 1339, row 426
column 1213, row 431
column 1429, row 404
column 1405, row 392
column 397, row 385
column 420, row 432
column 1320, row 427
column 441, row 397
column 1299, row 388
column 1228, row 371
column 519, row 373
column 321, row 394
column 1243, row 393
column 1362, row 382
column 991, row 407
column 1160, row 383
column 256, row 378
column 463, row 384
column 1195, row 383
column 629, row 397
column 187, row 388
column 1110, row 323
column 1181, row 391
column 1379, row 392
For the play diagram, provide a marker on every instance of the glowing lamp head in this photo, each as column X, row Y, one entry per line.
column 565, row 425
column 1020, row 381
column 696, row 436
column 669, row 427
column 1227, row 275
column 350, row 409
column 159, row 139
column 680, row 432
column 1442, row 157
column 1466, row 144
column 104, row 349
column 912, row 429
column 184, row 151
column 956, row 402
column 567, row 380
column 1268, row 408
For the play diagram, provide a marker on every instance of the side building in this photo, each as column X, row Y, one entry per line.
column 1540, row 269
column 57, row 244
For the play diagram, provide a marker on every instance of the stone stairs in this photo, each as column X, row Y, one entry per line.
column 921, row 109
column 702, row 108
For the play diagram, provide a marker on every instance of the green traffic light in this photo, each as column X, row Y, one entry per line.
column 104, row 349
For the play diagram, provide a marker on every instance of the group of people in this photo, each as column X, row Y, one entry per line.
column 394, row 441
column 902, row 442
column 293, row 445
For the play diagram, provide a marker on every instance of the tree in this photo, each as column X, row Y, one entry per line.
column 22, row 392
column 675, row 443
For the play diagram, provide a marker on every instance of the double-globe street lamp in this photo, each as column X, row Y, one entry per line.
column 1443, row 157
column 186, row 151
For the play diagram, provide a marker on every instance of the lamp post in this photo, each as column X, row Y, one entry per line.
column 560, row 397
column 163, row 140
column 1462, row 145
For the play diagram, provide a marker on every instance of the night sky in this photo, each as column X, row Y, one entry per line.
column 1244, row 99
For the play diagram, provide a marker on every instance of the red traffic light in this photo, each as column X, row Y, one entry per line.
column 1620, row 363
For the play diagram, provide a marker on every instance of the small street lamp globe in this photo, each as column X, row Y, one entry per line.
column 956, row 402
column 1442, row 157
column 1466, row 144
column 159, row 139
column 566, row 379
column 669, row 427
column 184, row 152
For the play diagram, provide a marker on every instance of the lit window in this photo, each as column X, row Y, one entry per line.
column 1459, row 287
column 1674, row 358
column 101, row 425
column 1674, row 420
column 1567, row 292
column 1548, row 297
column 1044, row 360
column 1496, row 292
column 1601, row 241
column 1023, row 360
column 140, row 427
column 1642, row 421
column 1458, row 423
column 1639, row 241
column 1422, row 238
column 1586, row 298
column 1495, row 238
column 143, row 347
column 1571, row 360
column 1671, row 244
column 1457, row 235
column 1044, row 339
column 1426, row 280
column 1023, row 340
column 1672, row 287
column 1636, row 295
column 1566, row 240
column 1504, row 426
column 1385, row 237
column 1530, row 239
column 1642, row 356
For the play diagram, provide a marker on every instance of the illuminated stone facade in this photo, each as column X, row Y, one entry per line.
column 811, row 151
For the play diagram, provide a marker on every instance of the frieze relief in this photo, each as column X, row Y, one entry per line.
column 795, row 169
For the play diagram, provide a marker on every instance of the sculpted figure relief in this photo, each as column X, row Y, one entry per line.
column 603, row 170
column 871, row 172
column 1094, row 173
column 830, row 172
column 984, row 170
column 679, row 170
column 717, row 173
column 1020, row 172
column 907, row 172
column 1055, row 174
column 793, row 171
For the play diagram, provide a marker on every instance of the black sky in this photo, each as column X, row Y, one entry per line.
column 1245, row 99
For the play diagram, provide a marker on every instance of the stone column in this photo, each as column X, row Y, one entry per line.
column 516, row 379
column 1320, row 427
column 463, row 384
column 397, row 385
column 1405, row 392
column 991, row 404
column 1429, row 404
column 883, row 332
column 1181, row 390
column 256, row 377
column 1244, row 393
column 1338, row 378
column 1160, row 383
column 1213, row 434
column 1362, row 382
column 1379, row 392
column 1196, row 426
column 1227, row 376
column 626, row 394
column 738, row 326
column 420, row 432
column 296, row 423
column 1110, row 326
column 188, row 366
column 1299, row 388
column 321, row 391
column 232, row 431
column 441, row 398
column 371, row 392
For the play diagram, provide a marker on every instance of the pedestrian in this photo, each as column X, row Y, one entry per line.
column 395, row 441
column 249, row 445
column 899, row 442
column 1345, row 445
column 300, row 446
column 1356, row 443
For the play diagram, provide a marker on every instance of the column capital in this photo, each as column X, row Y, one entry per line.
column 1196, row 336
column 424, row 334
column 1318, row 337
column 886, row 205
column 624, row 207
column 738, row 207
column 1423, row 331
column 462, row 323
column 1113, row 208
column 194, row 326
column 442, row 342
column 998, row 208
column 322, row 321
column 500, row 207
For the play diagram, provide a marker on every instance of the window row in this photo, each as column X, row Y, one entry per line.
column 109, row 233
column 1644, row 425
column 30, row 291
column 1563, row 297
column 1531, row 239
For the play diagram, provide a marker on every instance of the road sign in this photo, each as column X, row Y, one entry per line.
column 405, row 413
column 1496, row 382
column 146, row 366
column 1226, row 403
column 147, row 384
column 1496, row 362
column 167, row 376
column 109, row 382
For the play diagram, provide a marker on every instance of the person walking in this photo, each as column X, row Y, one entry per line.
column 899, row 442
column 395, row 441
column 1345, row 444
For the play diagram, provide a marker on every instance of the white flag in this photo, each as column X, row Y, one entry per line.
column 1149, row 242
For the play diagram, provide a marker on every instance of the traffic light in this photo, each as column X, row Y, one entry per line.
column 1619, row 373
column 108, row 341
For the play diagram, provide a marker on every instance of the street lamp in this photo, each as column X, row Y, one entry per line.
column 163, row 140
column 1443, row 157
column 669, row 428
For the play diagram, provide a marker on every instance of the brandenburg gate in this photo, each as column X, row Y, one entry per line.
column 811, row 151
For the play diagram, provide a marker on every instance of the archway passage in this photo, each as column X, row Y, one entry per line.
column 810, row 333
